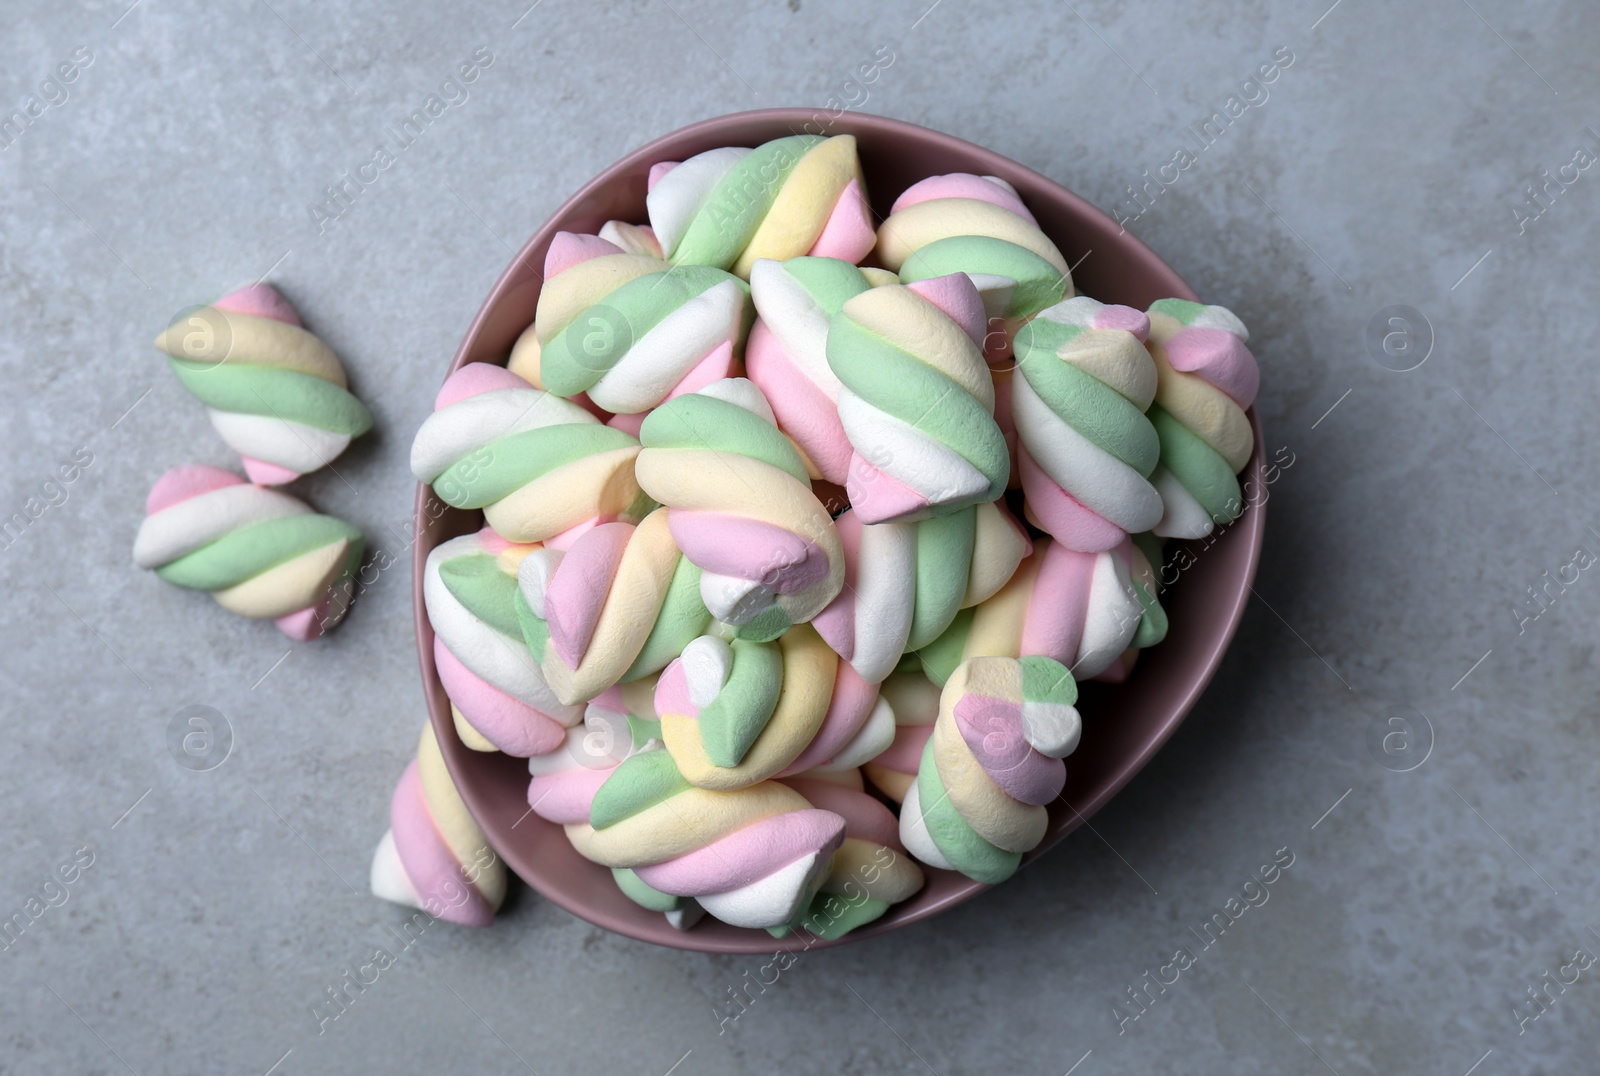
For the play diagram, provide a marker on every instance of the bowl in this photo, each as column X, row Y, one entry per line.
column 1124, row 725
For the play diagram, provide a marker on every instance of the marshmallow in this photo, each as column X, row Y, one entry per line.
column 276, row 393
column 536, row 464
column 752, row 857
column 792, row 196
column 434, row 856
column 736, row 713
column 905, row 582
column 741, row 508
column 1084, row 381
column 870, row 872
column 787, row 353
column 915, row 701
column 962, row 223
column 1080, row 609
column 1206, row 378
column 258, row 552
column 619, row 723
column 498, row 693
column 629, row 331
column 916, row 400
column 619, row 604
column 991, row 765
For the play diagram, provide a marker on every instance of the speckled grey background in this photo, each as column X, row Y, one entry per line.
column 1432, row 885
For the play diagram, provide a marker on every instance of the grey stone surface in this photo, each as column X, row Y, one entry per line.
column 1383, row 169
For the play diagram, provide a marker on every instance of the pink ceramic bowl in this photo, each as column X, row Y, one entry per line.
column 1124, row 725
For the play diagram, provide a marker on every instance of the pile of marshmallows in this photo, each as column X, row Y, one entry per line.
column 718, row 683
column 278, row 396
column 709, row 672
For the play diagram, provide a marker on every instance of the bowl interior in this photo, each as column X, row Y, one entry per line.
column 1123, row 724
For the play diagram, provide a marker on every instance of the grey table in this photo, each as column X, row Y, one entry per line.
column 1398, row 714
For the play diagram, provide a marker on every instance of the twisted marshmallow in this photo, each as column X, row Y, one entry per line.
column 631, row 238
column 962, row 223
column 787, row 352
column 434, row 856
column 735, row 714
column 525, row 353
column 1206, row 378
column 751, row 857
column 870, row 872
column 618, row 605
column 917, row 401
column 260, row 553
column 536, row 464
column 729, row 207
column 740, row 506
column 1084, row 381
column 617, row 724
column 905, row 582
column 276, row 393
column 992, row 763
column 627, row 329
column 1080, row 609
column 915, row 701
column 498, row 694
column 1152, row 627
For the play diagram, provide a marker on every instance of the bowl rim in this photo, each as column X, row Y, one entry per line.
column 1248, row 528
